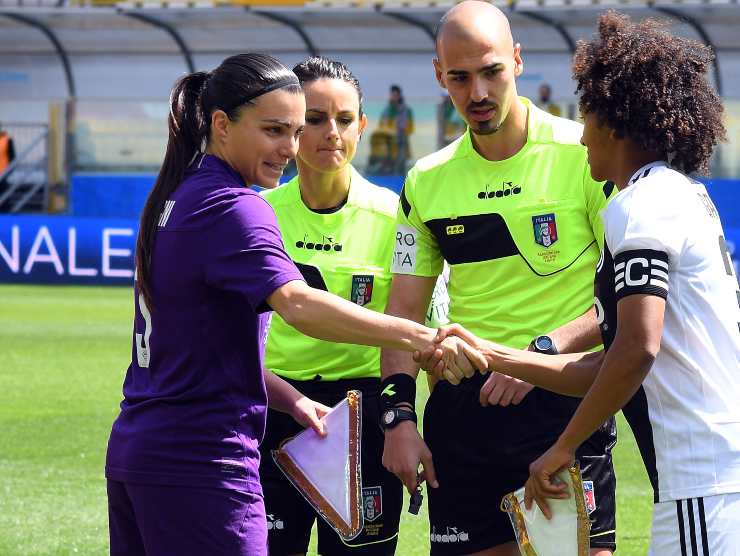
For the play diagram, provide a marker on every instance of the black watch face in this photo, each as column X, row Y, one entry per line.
column 543, row 343
column 388, row 417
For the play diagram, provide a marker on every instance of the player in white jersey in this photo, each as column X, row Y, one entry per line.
column 667, row 296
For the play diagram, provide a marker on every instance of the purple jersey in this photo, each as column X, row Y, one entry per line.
column 194, row 395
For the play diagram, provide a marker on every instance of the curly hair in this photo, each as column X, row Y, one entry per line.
column 651, row 87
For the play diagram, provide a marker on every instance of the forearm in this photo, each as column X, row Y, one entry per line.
column 281, row 395
column 580, row 334
column 409, row 299
column 328, row 317
column 570, row 374
column 624, row 369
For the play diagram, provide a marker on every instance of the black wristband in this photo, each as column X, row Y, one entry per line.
column 397, row 389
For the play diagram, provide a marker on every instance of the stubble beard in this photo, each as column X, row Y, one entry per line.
column 485, row 128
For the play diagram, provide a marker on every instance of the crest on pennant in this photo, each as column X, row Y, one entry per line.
column 362, row 289
column 545, row 229
column 372, row 502
column 589, row 495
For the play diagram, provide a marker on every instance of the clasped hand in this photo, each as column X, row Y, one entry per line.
column 452, row 356
column 499, row 388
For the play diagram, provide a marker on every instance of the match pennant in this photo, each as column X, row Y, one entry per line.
column 326, row 471
column 566, row 534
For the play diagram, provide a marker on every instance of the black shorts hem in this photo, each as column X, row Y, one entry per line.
column 605, row 545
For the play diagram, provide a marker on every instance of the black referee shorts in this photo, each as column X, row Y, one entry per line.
column 482, row 453
column 290, row 518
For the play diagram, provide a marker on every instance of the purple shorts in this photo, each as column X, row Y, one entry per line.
column 154, row 520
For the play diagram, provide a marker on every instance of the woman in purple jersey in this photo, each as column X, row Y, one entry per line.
column 183, row 459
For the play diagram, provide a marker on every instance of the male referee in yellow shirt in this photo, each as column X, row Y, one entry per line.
column 512, row 208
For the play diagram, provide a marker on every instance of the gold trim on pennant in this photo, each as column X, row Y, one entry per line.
column 584, row 523
column 510, row 505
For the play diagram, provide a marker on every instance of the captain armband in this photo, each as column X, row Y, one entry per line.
column 641, row 271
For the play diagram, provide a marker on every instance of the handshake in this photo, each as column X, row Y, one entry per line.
column 454, row 354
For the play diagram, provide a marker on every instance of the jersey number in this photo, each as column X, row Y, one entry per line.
column 142, row 341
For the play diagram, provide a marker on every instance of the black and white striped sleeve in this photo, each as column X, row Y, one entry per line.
column 642, row 271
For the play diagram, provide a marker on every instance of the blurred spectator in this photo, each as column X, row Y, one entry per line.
column 7, row 153
column 545, row 100
column 7, row 150
column 450, row 124
column 389, row 143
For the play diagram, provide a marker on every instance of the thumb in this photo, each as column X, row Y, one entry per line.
column 316, row 424
column 430, row 475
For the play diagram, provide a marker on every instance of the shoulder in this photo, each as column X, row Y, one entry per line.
column 658, row 194
column 432, row 162
column 429, row 170
column 373, row 198
column 282, row 194
column 202, row 202
column 650, row 212
column 547, row 128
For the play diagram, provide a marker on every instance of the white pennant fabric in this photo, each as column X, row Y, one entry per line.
column 326, row 471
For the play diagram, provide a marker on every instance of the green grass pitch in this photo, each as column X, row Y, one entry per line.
column 63, row 355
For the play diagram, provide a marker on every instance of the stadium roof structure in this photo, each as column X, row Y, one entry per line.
column 69, row 27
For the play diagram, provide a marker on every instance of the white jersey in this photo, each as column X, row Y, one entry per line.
column 664, row 238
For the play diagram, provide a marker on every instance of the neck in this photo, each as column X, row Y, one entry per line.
column 509, row 139
column 630, row 161
column 323, row 190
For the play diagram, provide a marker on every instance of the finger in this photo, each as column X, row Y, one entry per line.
column 456, row 330
column 409, row 480
column 485, row 390
column 422, row 355
column 475, row 357
column 444, row 331
column 464, row 365
column 428, row 472
column 548, row 489
column 429, row 358
column 456, row 370
column 315, row 422
column 528, row 493
column 544, row 507
column 498, row 390
column 450, row 377
column 452, row 367
column 508, row 394
column 439, row 369
column 522, row 391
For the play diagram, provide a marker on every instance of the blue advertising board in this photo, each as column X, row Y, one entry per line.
column 60, row 250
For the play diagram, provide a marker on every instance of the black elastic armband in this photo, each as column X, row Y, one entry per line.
column 396, row 389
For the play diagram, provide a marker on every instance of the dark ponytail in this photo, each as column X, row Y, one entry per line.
column 237, row 82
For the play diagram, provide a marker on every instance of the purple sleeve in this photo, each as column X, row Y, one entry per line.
column 246, row 252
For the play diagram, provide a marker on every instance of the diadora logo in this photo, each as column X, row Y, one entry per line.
column 455, row 230
column 274, row 522
column 506, row 189
column 327, row 243
column 451, row 534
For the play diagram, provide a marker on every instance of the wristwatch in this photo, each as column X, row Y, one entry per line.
column 544, row 344
column 391, row 416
